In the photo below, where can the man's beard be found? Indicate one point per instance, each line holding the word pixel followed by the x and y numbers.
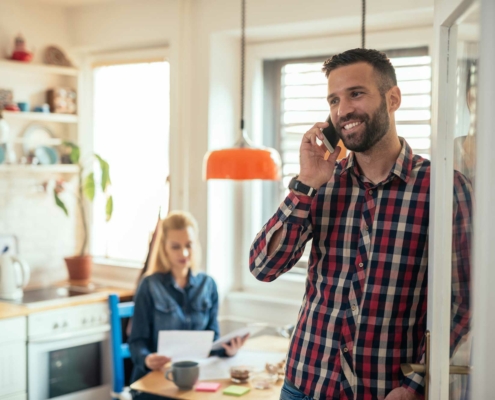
pixel 376 128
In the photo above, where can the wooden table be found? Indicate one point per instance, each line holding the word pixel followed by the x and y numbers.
pixel 155 382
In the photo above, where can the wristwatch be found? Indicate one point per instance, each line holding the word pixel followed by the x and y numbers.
pixel 301 187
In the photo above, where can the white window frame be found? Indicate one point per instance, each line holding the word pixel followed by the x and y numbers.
pixel 86 142
pixel 293 284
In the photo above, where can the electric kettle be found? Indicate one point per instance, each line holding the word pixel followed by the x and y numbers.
pixel 14 275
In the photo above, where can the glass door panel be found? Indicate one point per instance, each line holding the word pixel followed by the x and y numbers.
pixel 464 162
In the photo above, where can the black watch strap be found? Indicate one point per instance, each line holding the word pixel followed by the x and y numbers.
pixel 301 187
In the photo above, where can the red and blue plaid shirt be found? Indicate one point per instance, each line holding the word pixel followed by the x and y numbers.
pixel 364 310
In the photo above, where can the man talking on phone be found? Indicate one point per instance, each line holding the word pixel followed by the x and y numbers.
pixel 364 309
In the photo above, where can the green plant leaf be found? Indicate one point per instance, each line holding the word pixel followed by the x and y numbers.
pixel 75 152
pixel 60 203
pixel 105 173
pixel 89 186
pixel 109 208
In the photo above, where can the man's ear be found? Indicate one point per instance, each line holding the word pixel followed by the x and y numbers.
pixel 394 98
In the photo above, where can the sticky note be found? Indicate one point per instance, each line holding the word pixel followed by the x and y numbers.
pixel 207 387
pixel 235 390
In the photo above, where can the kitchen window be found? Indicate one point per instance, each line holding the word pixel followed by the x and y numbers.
pixel 131 117
pixel 296 90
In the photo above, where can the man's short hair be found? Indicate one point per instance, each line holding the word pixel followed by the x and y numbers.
pixel 377 59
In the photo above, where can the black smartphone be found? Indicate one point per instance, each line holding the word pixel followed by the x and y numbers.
pixel 330 136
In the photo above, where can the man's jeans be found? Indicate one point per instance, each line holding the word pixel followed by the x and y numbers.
pixel 289 392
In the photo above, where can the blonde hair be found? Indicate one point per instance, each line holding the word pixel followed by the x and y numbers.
pixel 175 220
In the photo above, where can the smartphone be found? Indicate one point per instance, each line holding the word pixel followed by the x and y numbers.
pixel 330 136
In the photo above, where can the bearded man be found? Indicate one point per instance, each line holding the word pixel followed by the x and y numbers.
pixel 364 309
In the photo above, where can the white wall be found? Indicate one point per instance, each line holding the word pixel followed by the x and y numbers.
pixel 45 234
pixel 40 24
pixel 124 24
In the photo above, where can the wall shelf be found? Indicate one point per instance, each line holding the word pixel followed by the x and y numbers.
pixel 55 168
pixel 38 116
pixel 38 68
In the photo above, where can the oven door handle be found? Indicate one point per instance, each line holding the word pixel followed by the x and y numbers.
pixel 71 335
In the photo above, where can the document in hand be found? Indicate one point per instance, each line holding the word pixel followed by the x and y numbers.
pixel 251 329
pixel 185 345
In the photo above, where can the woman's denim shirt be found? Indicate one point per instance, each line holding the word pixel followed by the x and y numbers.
pixel 160 304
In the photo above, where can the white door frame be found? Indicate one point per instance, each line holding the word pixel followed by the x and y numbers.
pixel 441 195
pixel 484 218
pixel 439 275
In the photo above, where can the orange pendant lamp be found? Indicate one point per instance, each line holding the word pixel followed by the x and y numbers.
pixel 244 161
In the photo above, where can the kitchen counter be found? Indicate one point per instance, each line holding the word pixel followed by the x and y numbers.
pixel 8 310
pixel 11 310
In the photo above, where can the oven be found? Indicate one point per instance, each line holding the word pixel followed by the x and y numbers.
pixel 69 353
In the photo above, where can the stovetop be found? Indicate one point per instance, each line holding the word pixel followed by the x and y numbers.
pixel 53 295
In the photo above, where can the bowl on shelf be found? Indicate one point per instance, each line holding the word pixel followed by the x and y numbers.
pixel 11 107
pixel 2 153
pixel 47 155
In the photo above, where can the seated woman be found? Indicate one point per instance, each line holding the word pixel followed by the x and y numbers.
pixel 172 296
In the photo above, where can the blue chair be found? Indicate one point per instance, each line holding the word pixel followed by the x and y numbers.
pixel 120 350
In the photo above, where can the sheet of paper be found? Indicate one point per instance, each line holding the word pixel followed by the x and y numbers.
pixel 251 329
pixel 185 345
pixel 219 368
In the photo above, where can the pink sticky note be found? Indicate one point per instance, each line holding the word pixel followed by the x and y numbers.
pixel 207 387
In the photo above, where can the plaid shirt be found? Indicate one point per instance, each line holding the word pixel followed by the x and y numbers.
pixel 364 310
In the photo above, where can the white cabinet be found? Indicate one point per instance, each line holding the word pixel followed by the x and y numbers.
pixel 13 359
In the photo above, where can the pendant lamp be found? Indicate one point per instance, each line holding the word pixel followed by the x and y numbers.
pixel 244 161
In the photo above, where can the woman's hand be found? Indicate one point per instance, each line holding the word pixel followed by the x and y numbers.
pixel 155 361
pixel 234 345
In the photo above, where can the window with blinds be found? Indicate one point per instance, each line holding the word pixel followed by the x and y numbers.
pixel 300 87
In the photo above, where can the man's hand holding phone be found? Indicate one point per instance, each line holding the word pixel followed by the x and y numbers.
pixel 315 170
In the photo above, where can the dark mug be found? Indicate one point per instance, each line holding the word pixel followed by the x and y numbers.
pixel 184 374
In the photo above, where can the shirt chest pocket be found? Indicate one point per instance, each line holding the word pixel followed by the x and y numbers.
pixel 200 312
pixel 167 316
pixel 201 305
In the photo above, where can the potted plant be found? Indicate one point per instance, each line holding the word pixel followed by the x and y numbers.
pixel 79 266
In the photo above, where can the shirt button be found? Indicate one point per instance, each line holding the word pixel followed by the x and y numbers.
pixel 370 192
pixel 366 227
pixel 361 265
pixel 346 349
pixel 353 307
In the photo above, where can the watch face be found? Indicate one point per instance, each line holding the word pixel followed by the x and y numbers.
pixel 293 183
pixel 301 187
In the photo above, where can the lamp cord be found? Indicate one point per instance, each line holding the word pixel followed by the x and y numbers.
pixel 243 56
pixel 363 22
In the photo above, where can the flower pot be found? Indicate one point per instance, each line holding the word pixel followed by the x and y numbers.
pixel 79 268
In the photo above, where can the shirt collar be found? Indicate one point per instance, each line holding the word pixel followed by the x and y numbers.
pixel 192 281
pixel 402 167
pixel 193 278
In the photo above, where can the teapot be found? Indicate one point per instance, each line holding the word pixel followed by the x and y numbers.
pixel 14 276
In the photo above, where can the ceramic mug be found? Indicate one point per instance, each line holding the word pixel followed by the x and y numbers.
pixel 184 374
pixel 23 106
